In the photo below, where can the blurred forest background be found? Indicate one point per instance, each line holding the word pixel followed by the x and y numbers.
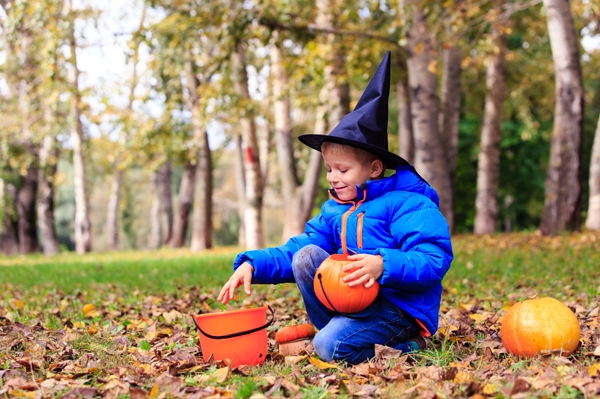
pixel 174 122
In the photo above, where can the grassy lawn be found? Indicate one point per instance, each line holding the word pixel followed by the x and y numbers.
pixel 119 324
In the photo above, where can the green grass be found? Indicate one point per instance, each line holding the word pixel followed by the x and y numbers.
pixel 163 271
pixel 554 268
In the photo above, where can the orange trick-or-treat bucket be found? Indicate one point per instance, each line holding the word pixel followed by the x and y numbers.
pixel 237 337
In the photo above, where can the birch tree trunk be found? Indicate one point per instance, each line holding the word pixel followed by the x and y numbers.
pixel 406 141
pixel 593 217
pixel 83 233
pixel 450 113
pixel 292 224
pixel 334 71
pixel 45 203
pixel 406 145
pixel 298 198
pixel 334 101
pixel 112 218
pixel 252 169
pixel 488 168
pixel 166 191
pixel 9 244
pixel 240 180
pixel 563 186
pixel 156 234
pixel 112 215
pixel 430 160
pixel 202 218
pixel 186 197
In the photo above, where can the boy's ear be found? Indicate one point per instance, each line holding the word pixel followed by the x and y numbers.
pixel 376 168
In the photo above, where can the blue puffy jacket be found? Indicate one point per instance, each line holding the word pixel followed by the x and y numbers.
pixel 396 217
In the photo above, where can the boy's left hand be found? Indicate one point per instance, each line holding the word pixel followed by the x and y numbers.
pixel 364 269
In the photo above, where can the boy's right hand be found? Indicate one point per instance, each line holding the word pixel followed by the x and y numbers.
pixel 242 275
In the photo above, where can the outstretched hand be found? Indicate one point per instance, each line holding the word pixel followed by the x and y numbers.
pixel 242 275
pixel 365 269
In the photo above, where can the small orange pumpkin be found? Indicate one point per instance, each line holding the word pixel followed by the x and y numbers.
pixel 294 339
pixel 337 295
pixel 539 325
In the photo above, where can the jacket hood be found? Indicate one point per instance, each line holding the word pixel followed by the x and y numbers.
pixel 406 178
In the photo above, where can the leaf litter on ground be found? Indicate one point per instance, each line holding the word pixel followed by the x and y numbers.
pixel 108 342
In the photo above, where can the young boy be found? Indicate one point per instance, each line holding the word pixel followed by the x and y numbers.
pixel 391 226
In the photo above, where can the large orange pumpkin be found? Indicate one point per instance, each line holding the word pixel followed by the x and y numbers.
pixel 537 325
pixel 335 293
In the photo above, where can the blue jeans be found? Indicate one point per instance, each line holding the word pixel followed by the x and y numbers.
pixel 351 339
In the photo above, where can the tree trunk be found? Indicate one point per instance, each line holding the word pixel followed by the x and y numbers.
pixel 83 233
pixel 186 197
pixel 488 169
pixel 252 169
pixel 292 225
pixel 45 205
pixel 406 138
pixel 166 191
pixel 240 180
pixel 563 184
pixel 593 217
pixel 450 113
pixel 9 244
pixel 405 131
pixel 202 218
pixel 430 160
pixel 155 211
pixel 26 212
pixel 203 205
pixel 112 216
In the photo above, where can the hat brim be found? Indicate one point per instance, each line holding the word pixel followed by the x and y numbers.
pixel 391 160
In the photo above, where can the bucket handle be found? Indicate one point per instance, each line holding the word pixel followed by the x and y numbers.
pixel 237 334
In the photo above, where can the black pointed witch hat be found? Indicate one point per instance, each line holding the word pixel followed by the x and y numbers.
pixel 366 126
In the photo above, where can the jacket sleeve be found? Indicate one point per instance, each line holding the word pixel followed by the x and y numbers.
pixel 423 250
pixel 274 265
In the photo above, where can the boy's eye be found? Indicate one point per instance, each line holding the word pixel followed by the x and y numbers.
pixel 343 171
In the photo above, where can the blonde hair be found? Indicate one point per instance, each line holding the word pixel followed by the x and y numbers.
pixel 363 156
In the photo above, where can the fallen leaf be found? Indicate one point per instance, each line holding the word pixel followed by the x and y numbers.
pixel 462 377
pixel 321 365
pixel 290 386
pixel 520 385
pixel 386 352
pixel 489 389
pixel 154 391
pixel 220 375
pixel 294 359
pixel 89 310
pixel 594 370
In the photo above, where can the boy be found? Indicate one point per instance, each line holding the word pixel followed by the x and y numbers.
pixel 392 227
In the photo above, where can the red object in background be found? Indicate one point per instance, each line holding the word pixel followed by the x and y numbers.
pixel 249 156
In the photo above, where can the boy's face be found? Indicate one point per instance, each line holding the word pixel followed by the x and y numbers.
pixel 345 172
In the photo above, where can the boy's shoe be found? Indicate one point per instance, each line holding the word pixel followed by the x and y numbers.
pixel 417 343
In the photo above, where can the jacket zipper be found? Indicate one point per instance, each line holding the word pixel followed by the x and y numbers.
pixel 359 230
pixel 345 220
